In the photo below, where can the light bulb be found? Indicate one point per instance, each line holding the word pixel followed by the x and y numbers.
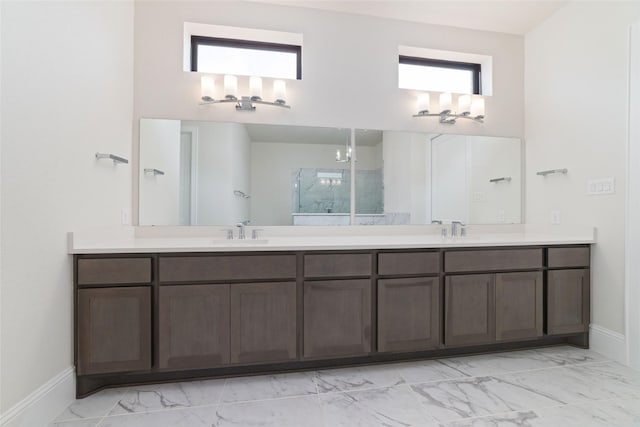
pixel 231 86
pixel 207 88
pixel 338 155
pixel 423 103
pixel 255 88
pixel 280 91
pixel 445 102
pixel 477 107
pixel 464 104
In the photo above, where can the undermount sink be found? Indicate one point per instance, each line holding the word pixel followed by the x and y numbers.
pixel 240 242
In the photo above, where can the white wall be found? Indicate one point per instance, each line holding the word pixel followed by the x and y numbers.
pixel 632 294
pixel 1 136
pixel 160 194
pixel 407 187
pixel 349 68
pixel 240 160
pixel 498 202
pixel 223 160
pixel 576 101
pixel 67 94
pixel 451 166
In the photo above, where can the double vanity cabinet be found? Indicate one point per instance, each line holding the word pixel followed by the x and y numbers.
pixel 150 317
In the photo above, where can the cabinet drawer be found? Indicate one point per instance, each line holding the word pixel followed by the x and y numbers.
pixel 568 257
pixel 395 263
pixel 492 260
pixel 114 271
pixel 231 267
pixel 333 265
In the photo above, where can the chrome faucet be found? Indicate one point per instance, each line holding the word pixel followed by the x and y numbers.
pixel 241 225
pixel 454 227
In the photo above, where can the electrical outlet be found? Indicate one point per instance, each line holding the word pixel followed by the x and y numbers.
pixel 555 217
pixel 501 215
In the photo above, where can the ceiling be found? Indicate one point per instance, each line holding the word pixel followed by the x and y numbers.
pixel 506 16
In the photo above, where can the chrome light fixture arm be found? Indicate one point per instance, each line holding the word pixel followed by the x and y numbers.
pixel 447 117
pixel 245 103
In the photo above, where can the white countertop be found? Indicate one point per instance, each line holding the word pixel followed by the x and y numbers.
pixel 211 239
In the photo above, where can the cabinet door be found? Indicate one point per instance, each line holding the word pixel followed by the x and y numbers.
pixel 263 322
pixel 518 305
pixel 408 314
pixel 194 326
pixel 470 309
pixel 114 330
pixel 567 301
pixel 337 318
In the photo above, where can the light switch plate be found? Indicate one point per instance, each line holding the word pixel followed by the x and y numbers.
pixel 601 186
pixel 555 217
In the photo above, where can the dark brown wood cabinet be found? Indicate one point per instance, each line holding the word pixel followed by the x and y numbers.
pixel 114 330
pixel 408 314
pixel 502 306
pixel 165 317
pixel 469 309
pixel 337 318
pixel 263 322
pixel 114 271
pixel 519 313
pixel 193 330
pixel 567 301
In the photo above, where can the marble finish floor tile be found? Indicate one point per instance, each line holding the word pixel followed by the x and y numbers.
pixel 191 417
pixel 575 384
pixel 511 419
pixel 78 423
pixel 425 371
pixel 94 406
pixel 269 387
pixel 549 387
pixel 382 407
pixel 358 378
pixel 473 397
pixel 500 363
pixel 565 355
pixel 287 412
pixel 158 397
pixel 620 413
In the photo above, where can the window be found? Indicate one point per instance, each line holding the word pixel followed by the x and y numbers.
pixel 245 57
pixel 438 75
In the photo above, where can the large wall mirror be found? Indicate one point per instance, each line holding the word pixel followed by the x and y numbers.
pixel 217 173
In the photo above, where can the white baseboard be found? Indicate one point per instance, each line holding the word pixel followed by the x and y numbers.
pixel 608 343
pixel 43 405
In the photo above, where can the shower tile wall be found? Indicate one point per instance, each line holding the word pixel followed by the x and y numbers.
pixel 369 192
pixel 313 194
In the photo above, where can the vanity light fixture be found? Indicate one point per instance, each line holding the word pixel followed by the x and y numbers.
pixel 330 178
pixel 243 103
pixel 468 108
